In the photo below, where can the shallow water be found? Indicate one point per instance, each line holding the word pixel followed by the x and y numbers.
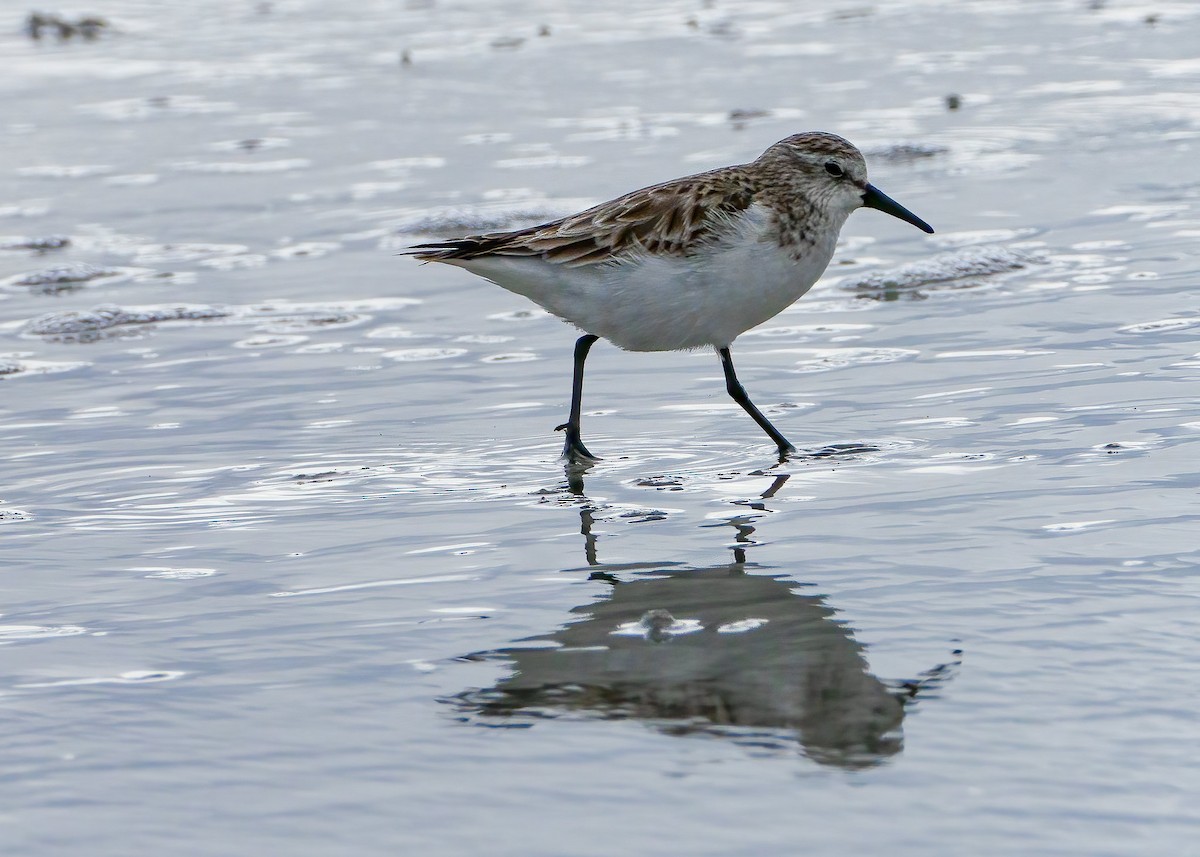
pixel 285 537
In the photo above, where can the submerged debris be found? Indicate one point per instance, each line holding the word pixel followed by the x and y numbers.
pixel 62 276
pixel 740 117
pixel 963 264
pixel 88 27
pixel 903 152
pixel 89 325
pixel 507 43
pixel 41 245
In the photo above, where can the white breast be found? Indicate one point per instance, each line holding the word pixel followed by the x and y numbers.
pixel 669 303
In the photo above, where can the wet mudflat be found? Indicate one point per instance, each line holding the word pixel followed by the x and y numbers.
pixel 290 565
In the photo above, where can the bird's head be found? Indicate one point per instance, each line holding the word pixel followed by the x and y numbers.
pixel 832 172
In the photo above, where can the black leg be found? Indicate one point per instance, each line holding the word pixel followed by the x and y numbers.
pixel 738 393
pixel 573 449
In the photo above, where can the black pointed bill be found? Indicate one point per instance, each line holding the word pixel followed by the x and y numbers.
pixel 873 197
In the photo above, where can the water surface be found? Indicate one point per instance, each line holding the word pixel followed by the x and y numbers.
pixel 290 563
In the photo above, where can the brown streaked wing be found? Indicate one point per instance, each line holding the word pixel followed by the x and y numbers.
pixel 672 219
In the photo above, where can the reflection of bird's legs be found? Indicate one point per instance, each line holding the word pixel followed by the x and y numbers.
pixel 775 486
pixel 589 539
pixel 744 528
pixel 574 471
pixel 742 524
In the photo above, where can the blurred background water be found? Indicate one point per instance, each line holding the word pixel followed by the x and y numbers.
pixel 285 541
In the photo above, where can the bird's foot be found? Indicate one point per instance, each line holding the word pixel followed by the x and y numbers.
pixel 574 450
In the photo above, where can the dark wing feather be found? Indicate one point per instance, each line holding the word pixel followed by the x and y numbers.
pixel 672 218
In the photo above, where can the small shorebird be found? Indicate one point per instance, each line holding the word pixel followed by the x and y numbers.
pixel 688 263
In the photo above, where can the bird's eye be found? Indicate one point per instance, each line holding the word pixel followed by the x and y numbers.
pixel 834 169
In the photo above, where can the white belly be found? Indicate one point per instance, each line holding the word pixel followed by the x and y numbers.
pixel 669 303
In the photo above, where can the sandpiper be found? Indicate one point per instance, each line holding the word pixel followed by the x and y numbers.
pixel 688 263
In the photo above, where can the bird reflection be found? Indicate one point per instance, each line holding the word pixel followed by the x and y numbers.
pixel 729 650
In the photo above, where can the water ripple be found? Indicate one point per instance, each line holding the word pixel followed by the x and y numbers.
pixel 20 633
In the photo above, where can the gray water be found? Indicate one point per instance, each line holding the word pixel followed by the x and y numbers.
pixel 291 567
